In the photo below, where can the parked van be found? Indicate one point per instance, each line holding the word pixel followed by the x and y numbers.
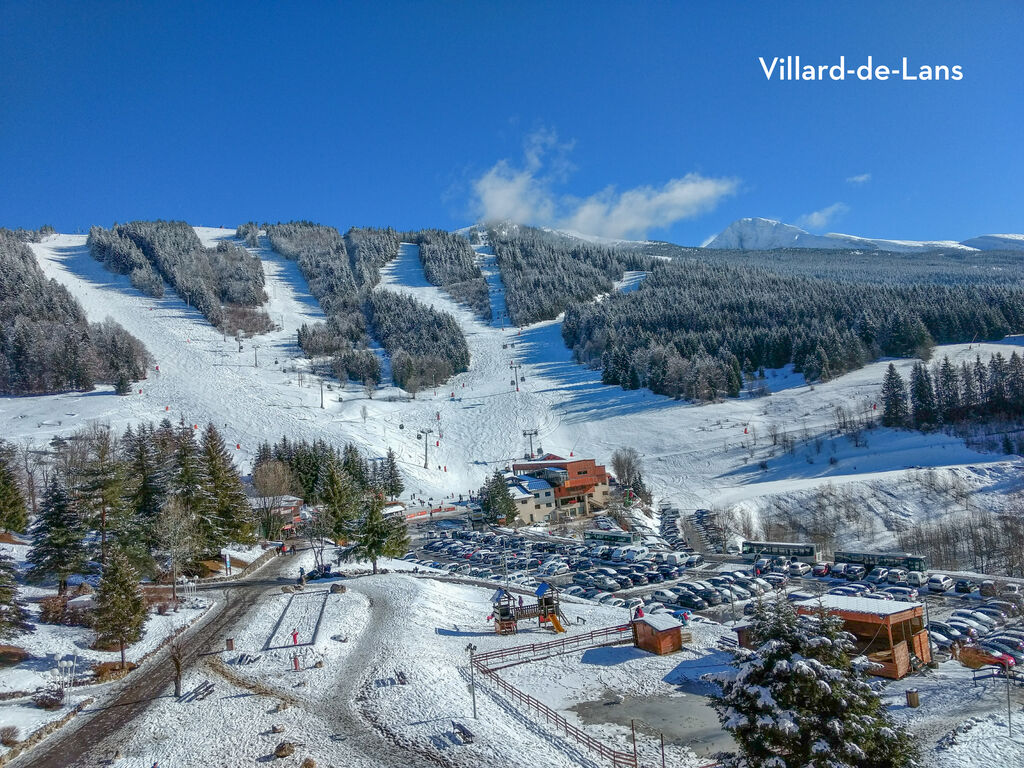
pixel 676 558
pixel 917 578
pixel 896 575
pixel 617 554
pixel 632 554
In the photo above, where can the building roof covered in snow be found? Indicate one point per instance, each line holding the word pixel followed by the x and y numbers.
pixel 660 622
pixel 865 605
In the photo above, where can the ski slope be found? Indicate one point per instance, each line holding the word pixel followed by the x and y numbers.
pixel 696 455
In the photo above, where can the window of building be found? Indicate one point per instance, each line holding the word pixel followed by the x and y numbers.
pixel 536 506
pixel 581 472
pixel 548 504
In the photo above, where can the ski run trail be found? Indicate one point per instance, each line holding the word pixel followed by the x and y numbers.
pixel 695 455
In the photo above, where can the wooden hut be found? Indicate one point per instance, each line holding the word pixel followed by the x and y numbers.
pixel 890 633
pixel 658 633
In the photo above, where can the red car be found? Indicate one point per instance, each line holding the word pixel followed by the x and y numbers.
pixel 821 569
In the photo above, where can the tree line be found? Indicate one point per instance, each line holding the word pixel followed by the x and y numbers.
pixel 426 345
pixel 696 330
pixel 449 262
pixel 950 394
pixel 47 344
pixel 545 273
pixel 224 283
pixel 349 494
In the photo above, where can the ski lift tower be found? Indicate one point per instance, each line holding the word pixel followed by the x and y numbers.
pixel 426 444
pixel 530 433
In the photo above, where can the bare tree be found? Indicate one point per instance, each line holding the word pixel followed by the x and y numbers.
pixel 626 465
pixel 272 481
pixel 179 538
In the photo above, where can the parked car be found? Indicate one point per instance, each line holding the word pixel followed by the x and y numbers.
pixel 906 594
pixel 939 583
pixel 821 569
pixel 877 575
pixel 988 588
pixel 897 576
pixel 917 578
pixel 1010 609
pixel 964 586
pixel 855 572
pixel 970 631
pixel 799 569
pixel 692 602
pixel 838 570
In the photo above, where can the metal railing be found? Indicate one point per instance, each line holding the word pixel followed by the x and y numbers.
pixel 506 657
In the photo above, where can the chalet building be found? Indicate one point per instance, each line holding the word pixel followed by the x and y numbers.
pixel 560 488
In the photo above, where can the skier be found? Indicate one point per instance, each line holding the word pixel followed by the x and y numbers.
pixel 302 572
pixel 520 601
pixel 295 637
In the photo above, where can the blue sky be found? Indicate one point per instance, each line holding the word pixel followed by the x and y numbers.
pixel 627 119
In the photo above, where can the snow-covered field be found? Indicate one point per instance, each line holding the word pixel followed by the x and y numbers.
pixel 695 455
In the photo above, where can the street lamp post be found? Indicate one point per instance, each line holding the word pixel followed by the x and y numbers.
pixel 472 680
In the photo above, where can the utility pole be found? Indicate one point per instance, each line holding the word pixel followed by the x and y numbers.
pixel 530 433
pixel 472 679
pixel 321 391
pixel 426 445
pixel 255 360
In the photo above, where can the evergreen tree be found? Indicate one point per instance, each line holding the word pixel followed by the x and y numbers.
pixel 895 412
pixel 341 498
pixel 376 535
pixel 231 507
pixel 190 485
pixel 922 397
pixel 496 500
pixel 103 487
pixel 13 616
pixel 947 391
pixel 13 513
pixel 58 538
pixel 120 606
pixel 391 477
pixel 148 474
pixel 355 465
pixel 797 701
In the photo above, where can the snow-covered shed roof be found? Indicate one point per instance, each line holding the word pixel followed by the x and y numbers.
pixel 660 621
pixel 518 494
pixel 864 605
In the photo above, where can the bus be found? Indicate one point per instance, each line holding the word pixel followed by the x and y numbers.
pixel 594 536
pixel 885 559
pixel 808 553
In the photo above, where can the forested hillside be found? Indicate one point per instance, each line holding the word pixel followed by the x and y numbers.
pixel 449 262
pixel 46 342
pixel 694 329
pixel 426 345
pixel 224 283
pixel 545 273
pixel 342 272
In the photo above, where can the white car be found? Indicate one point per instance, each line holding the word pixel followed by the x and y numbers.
pixel 939 583
pixel 798 569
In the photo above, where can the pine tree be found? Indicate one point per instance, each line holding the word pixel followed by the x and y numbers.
pixel 13 512
pixel 922 397
pixel 231 507
pixel 120 606
pixel 391 476
pixel 341 498
pixel 496 500
pixel 148 474
pixel 355 465
pixel 376 535
pixel 895 411
pixel 190 485
pixel 13 616
pixel 103 487
pixel 947 391
pixel 798 702
pixel 58 538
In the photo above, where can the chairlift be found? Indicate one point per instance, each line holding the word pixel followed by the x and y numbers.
pixel 512 383
pixel 401 426
pixel 522 378
pixel 419 436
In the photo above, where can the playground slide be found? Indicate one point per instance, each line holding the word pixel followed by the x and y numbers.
pixel 556 623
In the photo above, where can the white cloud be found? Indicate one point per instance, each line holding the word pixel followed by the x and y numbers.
pixel 823 218
pixel 525 195
pixel 860 178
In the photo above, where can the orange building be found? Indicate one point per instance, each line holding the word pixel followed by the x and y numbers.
pixel 580 485
pixel 659 633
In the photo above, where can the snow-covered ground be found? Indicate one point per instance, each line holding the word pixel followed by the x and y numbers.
pixel 695 455
pixel 347 707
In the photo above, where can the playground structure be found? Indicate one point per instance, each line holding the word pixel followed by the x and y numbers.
pixel 547 610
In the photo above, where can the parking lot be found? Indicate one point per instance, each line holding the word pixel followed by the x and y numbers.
pixel 664 574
